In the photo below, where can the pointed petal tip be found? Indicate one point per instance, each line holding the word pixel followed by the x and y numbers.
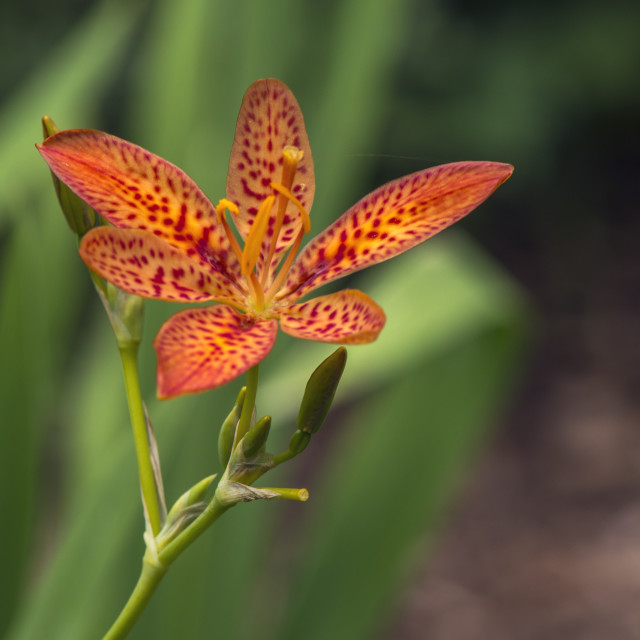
pixel 392 219
pixel 500 170
pixel 506 170
pixel 486 168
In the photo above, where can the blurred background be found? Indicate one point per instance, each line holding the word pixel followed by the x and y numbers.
pixel 479 476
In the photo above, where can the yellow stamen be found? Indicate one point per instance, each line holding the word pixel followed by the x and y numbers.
pixel 306 221
pixel 253 243
pixel 258 291
pixel 220 209
pixel 284 269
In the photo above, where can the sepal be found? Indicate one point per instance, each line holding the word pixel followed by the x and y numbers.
pixel 247 468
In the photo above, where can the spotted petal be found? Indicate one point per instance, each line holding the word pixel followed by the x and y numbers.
pixel 393 219
pixel 269 120
pixel 207 347
pixel 345 317
pixel 133 188
pixel 140 263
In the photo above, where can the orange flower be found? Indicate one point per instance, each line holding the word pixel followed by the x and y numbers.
pixel 171 243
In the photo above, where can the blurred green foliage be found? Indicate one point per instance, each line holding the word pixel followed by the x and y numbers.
pixel 387 87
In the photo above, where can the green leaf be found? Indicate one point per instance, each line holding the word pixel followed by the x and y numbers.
pixel 391 475
pixel 425 403
pixel 68 84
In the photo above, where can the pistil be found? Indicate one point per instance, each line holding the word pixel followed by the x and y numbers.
pixel 291 157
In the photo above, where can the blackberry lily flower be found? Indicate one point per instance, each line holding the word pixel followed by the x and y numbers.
pixel 171 243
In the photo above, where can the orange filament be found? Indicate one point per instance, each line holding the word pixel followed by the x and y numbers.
pixel 284 269
pixel 253 243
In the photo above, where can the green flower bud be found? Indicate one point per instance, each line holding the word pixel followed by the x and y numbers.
pixel 185 510
pixel 79 215
pixel 228 430
pixel 299 441
pixel 256 438
pixel 320 391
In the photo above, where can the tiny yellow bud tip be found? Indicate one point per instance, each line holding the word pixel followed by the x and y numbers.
pixel 48 127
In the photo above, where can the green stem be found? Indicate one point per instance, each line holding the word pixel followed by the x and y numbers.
pixel 153 572
pixel 129 356
pixel 249 403
pixel 147 584
pixel 283 457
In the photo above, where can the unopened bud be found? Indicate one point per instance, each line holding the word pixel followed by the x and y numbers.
pixel 185 510
pixel 79 215
pixel 299 441
pixel 320 390
pixel 228 430
pixel 193 496
pixel 256 438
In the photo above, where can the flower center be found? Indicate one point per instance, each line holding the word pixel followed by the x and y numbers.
pixel 255 273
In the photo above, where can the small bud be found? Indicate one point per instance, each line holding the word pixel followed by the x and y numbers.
pixel 299 441
pixel 184 511
pixel 255 439
pixel 190 497
pixel 320 390
pixel 228 429
pixel 49 127
pixel 79 215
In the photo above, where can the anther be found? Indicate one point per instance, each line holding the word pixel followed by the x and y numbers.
pixel 223 205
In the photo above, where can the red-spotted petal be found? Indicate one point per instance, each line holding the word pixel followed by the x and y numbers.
pixel 393 219
pixel 207 347
pixel 140 263
pixel 345 317
pixel 133 188
pixel 269 120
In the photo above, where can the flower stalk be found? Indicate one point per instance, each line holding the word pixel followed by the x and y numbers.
pixel 148 487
